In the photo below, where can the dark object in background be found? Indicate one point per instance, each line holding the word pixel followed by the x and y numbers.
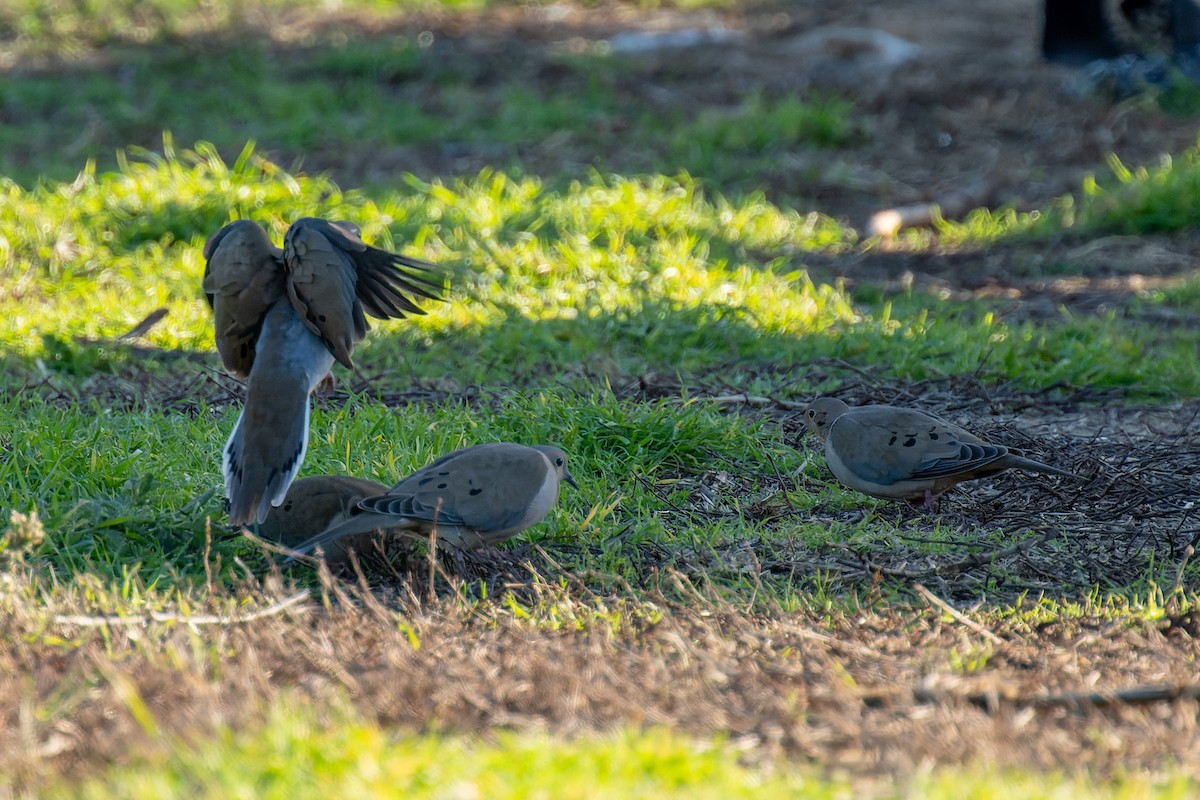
pixel 1185 25
pixel 1076 32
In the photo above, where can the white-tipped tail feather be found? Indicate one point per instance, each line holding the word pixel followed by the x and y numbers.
pixel 270 439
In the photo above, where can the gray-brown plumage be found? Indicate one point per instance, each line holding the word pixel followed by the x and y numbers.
pixel 243 277
pixel 281 317
pixel 472 497
pixel 903 453
pixel 335 279
pixel 315 504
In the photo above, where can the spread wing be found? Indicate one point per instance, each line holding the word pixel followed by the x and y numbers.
pixel 335 279
pixel 243 277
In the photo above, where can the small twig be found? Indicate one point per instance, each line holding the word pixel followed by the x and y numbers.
pixel 942 570
pixel 1154 693
pixel 208 575
pixel 537 548
pixel 741 398
pixel 203 619
pixel 757 574
pixel 142 328
pixel 431 554
pixel 1188 552
pixel 278 549
pixel 1136 694
pixel 958 615
pixel 888 222
pixel 787 498
pixel 989 558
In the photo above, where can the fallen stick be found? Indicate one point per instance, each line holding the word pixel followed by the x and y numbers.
pixel 86 621
pixel 956 614
pixel 888 222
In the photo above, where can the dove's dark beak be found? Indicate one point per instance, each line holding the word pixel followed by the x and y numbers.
pixel 569 479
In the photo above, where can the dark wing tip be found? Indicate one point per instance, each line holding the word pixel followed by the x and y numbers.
pixel 391 285
pixel 388 285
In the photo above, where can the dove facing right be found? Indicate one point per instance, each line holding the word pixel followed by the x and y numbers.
pixel 472 497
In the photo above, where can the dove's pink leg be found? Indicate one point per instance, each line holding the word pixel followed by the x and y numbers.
pixel 929 502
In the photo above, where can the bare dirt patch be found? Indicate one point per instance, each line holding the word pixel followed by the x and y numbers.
pixel 1134 518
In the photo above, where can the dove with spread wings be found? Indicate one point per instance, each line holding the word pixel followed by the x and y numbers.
pixel 281 318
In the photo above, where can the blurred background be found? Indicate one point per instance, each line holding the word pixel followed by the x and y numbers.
pixel 844 106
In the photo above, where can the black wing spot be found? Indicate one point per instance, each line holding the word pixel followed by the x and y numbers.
pixel 891 441
pixel 321 317
pixel 911 441
pixel 424 481
pixel 287 506
pixel 441 486
pixel 443 474
pixel 474 492
pixel 933 436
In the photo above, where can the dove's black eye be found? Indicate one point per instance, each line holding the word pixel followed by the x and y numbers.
pixel 811 413
pixel 558 462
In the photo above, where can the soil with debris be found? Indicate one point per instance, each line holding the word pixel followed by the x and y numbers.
pixel 907 681
pixel 873 694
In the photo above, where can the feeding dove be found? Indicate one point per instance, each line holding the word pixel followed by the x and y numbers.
pixel 281 318
pixel 475 496
pixel 906 454
pixel 315 504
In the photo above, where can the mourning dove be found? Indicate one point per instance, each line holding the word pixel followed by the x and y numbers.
pixel 903 453
pixel 281 319
pixel 471 497
pixel 315 504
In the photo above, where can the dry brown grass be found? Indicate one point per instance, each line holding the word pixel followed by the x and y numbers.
pixel 878 692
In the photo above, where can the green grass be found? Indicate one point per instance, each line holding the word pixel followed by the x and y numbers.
pixel 294 756
pixel 556 292
pixel 628 275
pixel 1126 201
pixel 149 501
